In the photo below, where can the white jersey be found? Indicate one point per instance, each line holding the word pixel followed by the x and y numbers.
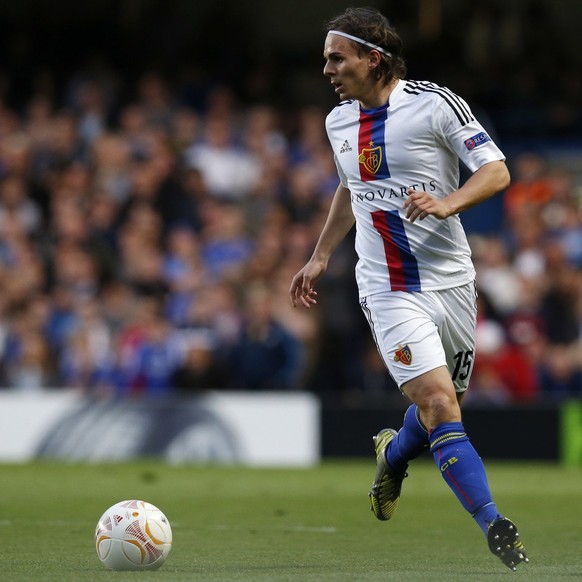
pixel 412 142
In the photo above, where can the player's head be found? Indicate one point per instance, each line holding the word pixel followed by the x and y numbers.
pixel 367 29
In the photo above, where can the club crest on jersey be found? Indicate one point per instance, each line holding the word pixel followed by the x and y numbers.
pixel 403 354
pixel 477 140
pixel 371 158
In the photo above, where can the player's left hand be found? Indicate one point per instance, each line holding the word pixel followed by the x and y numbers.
pixel 419 205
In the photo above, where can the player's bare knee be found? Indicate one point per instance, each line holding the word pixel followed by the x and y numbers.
pixel 443 410
pixel 439 407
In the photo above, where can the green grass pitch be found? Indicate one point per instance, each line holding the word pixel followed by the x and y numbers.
pixel 234 524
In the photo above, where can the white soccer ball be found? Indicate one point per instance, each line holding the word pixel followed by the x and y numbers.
pixel 133 535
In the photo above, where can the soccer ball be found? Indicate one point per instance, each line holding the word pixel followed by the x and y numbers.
pixel 133 535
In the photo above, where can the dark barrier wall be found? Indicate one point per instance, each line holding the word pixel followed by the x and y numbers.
pixel 513 433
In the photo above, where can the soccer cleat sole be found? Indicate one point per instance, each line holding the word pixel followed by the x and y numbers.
pixel 387 485
pixel 504 541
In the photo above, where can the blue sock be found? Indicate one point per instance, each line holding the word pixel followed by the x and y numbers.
pixel 411 441
pixel 463 471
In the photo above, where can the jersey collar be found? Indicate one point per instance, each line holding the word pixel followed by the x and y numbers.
pixel 394 97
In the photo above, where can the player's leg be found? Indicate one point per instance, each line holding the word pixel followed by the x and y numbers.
pixel 410 441
pixel 394 450
pixel 441 396
pixel 438 334
pixel 460 465
pixel 458 462
pixel 399 324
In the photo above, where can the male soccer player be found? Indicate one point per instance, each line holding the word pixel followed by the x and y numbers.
pixel 397 144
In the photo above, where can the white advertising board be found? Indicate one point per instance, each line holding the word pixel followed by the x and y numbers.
pixel 253 429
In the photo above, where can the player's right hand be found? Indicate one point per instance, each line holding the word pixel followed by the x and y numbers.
pixel 302 291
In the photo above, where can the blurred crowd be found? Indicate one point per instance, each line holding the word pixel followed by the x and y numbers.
pixel 147 248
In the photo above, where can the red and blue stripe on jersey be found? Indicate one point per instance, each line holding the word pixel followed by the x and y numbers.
pixel 372 146
pixel 402 264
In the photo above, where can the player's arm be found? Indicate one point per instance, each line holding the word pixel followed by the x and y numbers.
pixel 482 184
pixel 340 220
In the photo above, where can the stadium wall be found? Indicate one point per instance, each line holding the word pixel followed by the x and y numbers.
pixel 255 429
pixel 552 432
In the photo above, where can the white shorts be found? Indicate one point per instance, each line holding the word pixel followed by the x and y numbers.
pixel 418 332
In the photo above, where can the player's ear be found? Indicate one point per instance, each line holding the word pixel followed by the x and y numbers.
pixel 373 59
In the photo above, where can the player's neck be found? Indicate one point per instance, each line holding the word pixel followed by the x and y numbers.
pixel 379 96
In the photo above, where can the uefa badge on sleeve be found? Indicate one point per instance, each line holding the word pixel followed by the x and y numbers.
pixel 477 140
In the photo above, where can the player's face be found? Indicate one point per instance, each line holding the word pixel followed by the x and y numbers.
pixel 348 71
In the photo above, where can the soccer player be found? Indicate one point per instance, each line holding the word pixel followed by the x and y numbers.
pixel 397 145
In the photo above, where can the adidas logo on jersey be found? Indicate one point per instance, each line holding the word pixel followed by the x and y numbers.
pixel 346 147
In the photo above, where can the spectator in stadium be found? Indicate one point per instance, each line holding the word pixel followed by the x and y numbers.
pixel 561 373
pixel 182 271
pixel 22 272
pixel 563 214
pixel 199 368
pixel 147 353
pixel 397 145
pixel 225 243
pixel 30 367
pixel 496 275
pixel 155 99
pixel 531 186
pixel 230 172
pixel 304 198
pixel 265 356
pixel 16 205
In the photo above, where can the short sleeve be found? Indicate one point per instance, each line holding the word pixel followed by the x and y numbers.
pixel 340 172
pixel 456 126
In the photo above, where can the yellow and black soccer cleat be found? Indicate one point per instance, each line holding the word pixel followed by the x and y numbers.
pixel 504 541
pixel 385 493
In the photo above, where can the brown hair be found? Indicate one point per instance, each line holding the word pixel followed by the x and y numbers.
pixel 371 25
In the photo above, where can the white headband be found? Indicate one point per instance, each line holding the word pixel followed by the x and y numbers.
pixel 361 41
